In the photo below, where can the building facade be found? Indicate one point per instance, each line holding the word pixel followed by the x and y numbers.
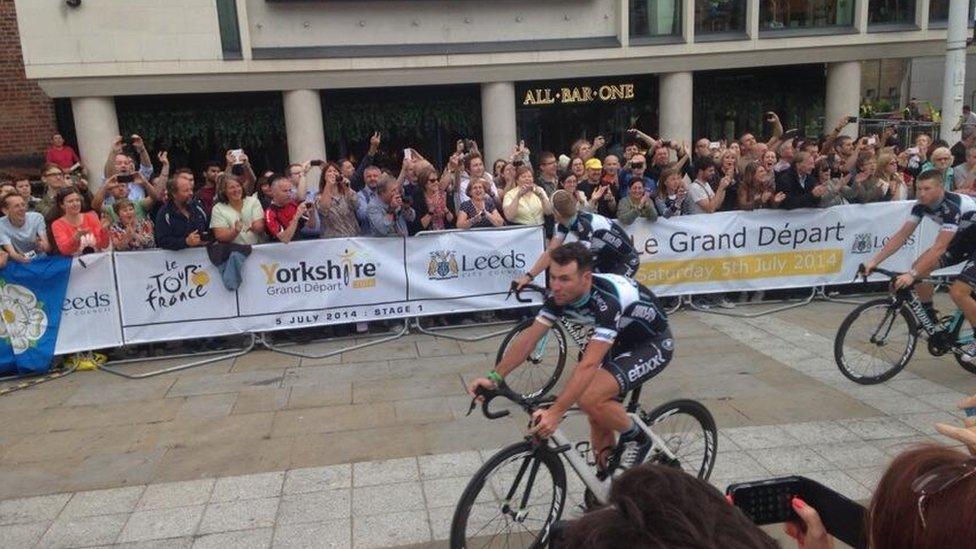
pixel 26 113
pixel 325 73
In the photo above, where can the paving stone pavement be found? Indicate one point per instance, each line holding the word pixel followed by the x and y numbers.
pixel 372 448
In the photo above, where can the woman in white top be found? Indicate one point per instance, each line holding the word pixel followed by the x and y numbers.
pixel 236 218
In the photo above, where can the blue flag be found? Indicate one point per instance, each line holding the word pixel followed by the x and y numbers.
pixel 31 296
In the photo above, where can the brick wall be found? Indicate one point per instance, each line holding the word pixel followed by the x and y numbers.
pixel 26 113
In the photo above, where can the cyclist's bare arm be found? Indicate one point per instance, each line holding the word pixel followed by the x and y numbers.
pixel 521 347
pixel 596 350
pixel 894 243
pixel 540 264
pixel 929 260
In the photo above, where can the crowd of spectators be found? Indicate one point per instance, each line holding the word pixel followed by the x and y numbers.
pixel 139 205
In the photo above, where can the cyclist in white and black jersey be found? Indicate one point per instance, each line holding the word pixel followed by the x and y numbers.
pixel 955 243
pixel 631 343
pixel 610 245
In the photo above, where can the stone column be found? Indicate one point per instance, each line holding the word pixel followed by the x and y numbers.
pixel 96 125
pixel 675 107
pixel 843 95
pixel 303 125
pixel 498 120
pixel 954 78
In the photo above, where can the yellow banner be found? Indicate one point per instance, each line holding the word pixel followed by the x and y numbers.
pixel 769 265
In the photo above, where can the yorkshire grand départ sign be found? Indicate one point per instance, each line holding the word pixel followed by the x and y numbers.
pixel 568 94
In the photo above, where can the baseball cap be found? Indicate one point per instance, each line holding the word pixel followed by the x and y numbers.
pixel 594 164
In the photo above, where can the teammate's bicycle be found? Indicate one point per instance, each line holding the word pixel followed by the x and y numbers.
pixel 878 338
pixel 520 492
pixel 541 370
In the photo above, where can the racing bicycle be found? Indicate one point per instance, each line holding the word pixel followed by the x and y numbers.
pixel 517 496
pixel 878 338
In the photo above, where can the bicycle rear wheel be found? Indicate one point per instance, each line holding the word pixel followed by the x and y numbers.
pixel 540 372
pixel 875 342
pixel 512 501
pixel 689 431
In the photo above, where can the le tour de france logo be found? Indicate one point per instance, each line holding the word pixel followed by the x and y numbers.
pixel 176 283
pixel 351 269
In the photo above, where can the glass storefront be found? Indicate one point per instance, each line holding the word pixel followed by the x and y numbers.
pixel 429 119
pixel 720 16
pixel 939 12
pixel 729 103
pixel 650 18
pixel 891 12
pixel 196 128
pixel 551 115
pixel 805 14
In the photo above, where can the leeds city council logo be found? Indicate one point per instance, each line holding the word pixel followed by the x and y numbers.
pixel 442 266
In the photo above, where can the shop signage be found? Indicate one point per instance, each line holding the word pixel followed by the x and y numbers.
pixel 578 94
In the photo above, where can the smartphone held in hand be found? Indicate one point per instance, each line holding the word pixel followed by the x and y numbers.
pixel 770 502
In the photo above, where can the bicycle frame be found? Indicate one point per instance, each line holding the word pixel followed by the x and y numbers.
pixel 559 442
pixel 931 326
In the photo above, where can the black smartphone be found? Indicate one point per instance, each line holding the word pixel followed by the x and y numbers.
pixel 770 502
pixel 852 120
pixel 207 236
pixel 124 178
pixel 317 162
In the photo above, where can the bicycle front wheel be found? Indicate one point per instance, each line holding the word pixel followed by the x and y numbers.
pixel 512 501
pixel 689 432
pixel 875 342
pixel 540 372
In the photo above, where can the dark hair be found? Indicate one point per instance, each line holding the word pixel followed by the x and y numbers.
pixel 653 506
pixel 546 156
pixel 930 175
pixel 212 164
pixel 521 170
pixel 5 196
pixel 324 168
pixel 573 252
pixel 469 158
pixel 702 165
pixel 950 515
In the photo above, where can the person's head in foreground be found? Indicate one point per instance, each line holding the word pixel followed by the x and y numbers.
pixel 657 507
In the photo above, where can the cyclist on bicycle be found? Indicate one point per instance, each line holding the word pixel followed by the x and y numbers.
pixel 611 247
pixel 956 213
pixel 631 343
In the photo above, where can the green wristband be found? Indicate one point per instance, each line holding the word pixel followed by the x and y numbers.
pixel 495 376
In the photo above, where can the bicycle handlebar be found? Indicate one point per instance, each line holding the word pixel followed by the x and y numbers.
pixel 864 275
pixel 503 390
pixel 514 289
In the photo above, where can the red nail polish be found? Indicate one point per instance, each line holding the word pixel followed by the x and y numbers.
pixel 728 497
pixel 798 503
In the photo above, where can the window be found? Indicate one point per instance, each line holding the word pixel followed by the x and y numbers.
pixel 805 14
pixel 939 11
pixel 655 18
pixel 891 12
pixel 720 16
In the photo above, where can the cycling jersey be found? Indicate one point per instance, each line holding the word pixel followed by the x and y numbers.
pixel 955 212
pixel 627 315
pixel 610 245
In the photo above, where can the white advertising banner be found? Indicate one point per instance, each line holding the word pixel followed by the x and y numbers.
pixel 457 271
pixel 168 295
pixel 767 249
pixel 318 282
pixel 90 312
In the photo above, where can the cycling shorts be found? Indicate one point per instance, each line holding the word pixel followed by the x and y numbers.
pixel 960 249
pixel 632 367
